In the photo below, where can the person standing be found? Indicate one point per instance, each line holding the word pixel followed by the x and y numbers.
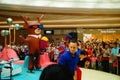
pixel 93 61
pixel 105 57
pixel 70 57
pixel 114 53
pixel 82 58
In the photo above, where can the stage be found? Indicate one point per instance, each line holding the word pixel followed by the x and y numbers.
pixel 87 74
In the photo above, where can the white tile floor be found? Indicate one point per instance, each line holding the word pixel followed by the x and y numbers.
pixel 89 74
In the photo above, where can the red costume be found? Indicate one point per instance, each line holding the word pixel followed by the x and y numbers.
pixel 33 40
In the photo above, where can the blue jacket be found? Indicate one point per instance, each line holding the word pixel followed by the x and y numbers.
pixel 68 60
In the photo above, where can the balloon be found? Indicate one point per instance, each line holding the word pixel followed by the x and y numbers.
pixel 69 36
pixel 2 33
pixel 6 32
pixel 9 20
pixel 44 38
pixel 17 26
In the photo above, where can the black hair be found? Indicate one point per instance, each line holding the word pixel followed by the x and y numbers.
pixel 56 72
pixel 73 41
pixel 115 43
pixel 83 52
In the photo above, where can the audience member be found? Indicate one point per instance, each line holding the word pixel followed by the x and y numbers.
pixel 56 72
pixel 70 57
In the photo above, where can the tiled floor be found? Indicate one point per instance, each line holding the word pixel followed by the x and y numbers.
pixel 87 74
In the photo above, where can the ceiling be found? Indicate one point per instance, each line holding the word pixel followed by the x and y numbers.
pixel 63 13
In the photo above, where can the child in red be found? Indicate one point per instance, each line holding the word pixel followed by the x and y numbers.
pixel 93 61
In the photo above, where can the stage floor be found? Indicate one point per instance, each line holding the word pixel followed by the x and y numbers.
pixel 87 74
pixel 28 76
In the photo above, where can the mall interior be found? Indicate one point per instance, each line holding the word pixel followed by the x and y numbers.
pixel 89 21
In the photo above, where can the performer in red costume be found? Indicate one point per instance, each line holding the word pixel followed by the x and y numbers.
pixel 33 40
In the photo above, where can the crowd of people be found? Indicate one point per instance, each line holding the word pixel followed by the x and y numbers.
pixel 96 55
pixel 93 55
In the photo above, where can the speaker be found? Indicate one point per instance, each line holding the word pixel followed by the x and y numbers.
pixel 74 35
